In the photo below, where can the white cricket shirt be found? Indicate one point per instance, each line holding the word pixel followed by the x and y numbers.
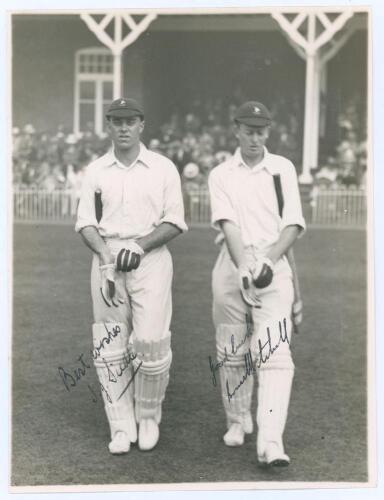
pixel 135 199
pixel 247 197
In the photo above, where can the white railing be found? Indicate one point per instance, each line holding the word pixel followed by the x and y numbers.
pixel 42 205
pixel 339 207
pixel 329 207
pixel 197 205
pixel 61 205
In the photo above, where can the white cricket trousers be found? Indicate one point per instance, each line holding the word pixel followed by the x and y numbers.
pixel 228 305
pixel 148 309
pixel 272 357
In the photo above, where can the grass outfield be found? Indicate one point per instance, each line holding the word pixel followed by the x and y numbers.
pixel 61 437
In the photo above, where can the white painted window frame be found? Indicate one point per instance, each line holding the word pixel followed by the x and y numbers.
pixel 98 79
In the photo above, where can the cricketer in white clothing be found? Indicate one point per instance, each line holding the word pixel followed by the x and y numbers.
pixel 256 206
pixel 131 205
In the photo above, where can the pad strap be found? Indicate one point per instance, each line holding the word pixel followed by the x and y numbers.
pixel 152 362
pixel 232 344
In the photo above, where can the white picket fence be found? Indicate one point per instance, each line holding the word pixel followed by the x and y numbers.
pixel 197 206
pixel 341 207
pixel 329 207
pixel 42 205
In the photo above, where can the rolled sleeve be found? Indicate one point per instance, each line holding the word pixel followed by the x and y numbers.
pixel 86 213
pixel 173 201
pixel 221 206
pixel 292 214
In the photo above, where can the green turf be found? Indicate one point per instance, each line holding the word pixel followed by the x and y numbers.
pixel 61 438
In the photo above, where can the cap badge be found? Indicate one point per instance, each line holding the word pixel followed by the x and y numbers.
pixel 122 102
pixel 256 110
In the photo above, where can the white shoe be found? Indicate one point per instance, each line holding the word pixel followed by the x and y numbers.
pixel 234 436
pixel 148 434
pixel 119 444
pixel 274 455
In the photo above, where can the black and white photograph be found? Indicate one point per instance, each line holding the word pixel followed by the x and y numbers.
pixel 191 223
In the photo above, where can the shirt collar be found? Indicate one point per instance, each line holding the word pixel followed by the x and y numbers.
pixel 143 158
pixel 265 162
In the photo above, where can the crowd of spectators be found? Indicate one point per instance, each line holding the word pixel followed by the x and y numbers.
pixel 346 167
pixel 196 140
pixel 51 161
pixel 202 137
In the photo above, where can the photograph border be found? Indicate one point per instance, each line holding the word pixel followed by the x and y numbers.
pixel 372 279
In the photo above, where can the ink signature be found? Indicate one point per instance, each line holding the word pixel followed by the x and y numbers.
pixel 71 378
pixel 215 366
pixel 264 352
pixel 262 356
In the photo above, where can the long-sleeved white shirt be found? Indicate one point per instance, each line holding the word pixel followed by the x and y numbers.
pixel 135 199
pixel 247 197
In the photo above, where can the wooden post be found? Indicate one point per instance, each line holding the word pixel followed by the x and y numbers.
pixel 117 76
pixel 310 44
pixel 117 44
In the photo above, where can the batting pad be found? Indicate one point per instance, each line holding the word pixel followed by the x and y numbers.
pixel 270 346
pixel 232 344
pixel 152 362
pixel 114 369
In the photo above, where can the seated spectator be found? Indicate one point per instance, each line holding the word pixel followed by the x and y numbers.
pixel 154 145
pixel 327 176
pixel 222 156
pixel 191 178
pixel 206 144
pixel 361 152
pixel 347 158
pixel 46 179
pixel 192 123
pixel 206 163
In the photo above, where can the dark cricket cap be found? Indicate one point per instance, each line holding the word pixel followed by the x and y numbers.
pixel 253 113
pixel 124 108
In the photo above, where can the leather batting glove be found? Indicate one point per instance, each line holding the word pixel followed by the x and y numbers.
pixel 297 315
pixel 129 257
pixel 112 286
pixel 107 279
pixel 262 272
pixel 247 288
pixel 120 290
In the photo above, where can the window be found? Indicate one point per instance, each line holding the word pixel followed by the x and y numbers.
pixel 93 88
